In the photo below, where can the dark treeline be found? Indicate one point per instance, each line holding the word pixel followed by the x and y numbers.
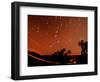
pixel 63 56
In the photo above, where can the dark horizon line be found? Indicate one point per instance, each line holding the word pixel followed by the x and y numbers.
pixel 51 54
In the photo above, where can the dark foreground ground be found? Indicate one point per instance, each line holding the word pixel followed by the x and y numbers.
pixel 35 59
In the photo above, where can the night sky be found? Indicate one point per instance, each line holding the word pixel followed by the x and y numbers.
pixel 48 34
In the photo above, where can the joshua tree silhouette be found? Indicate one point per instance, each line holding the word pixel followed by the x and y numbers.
pixel 67 52
pixel 83 47
pixel 60 55
pixel 86 47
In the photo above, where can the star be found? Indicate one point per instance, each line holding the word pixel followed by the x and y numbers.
pixel 56 31
pixel 47 22
pixel 58 41
pixel 60 17
pixel 55 35
pixel 34 26
pixel 61 25
pixel 37 31
pixel 50 46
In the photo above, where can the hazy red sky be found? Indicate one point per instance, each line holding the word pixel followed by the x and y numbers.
pixel 47 34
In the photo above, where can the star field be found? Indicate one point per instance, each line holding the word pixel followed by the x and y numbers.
pixel 47 34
